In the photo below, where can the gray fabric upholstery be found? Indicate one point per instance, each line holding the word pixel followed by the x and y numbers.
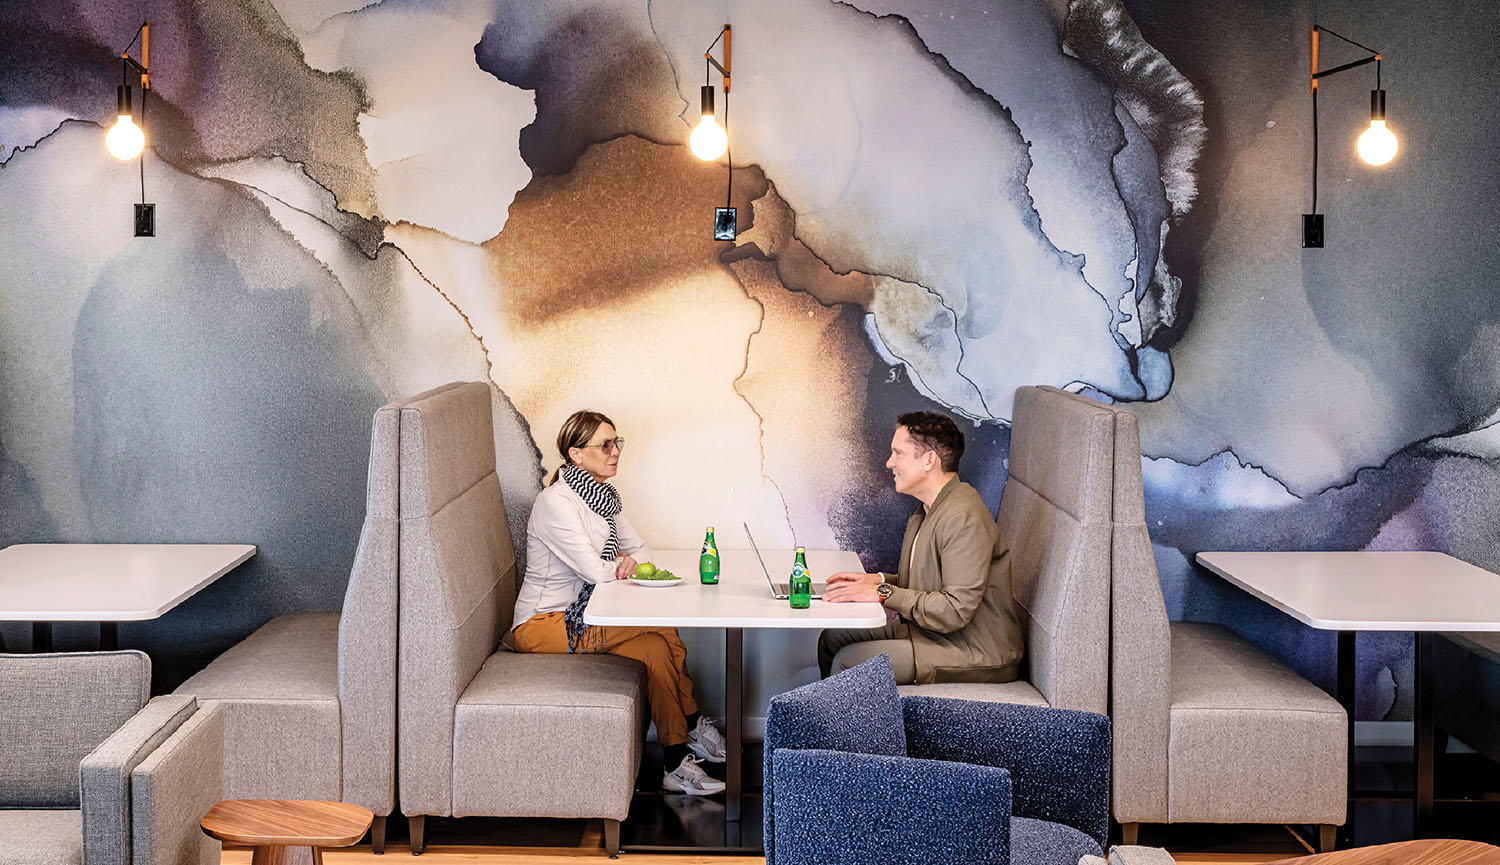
pixel 279 690
pixel 1132 854
pixel 1207 728
pixel 104 776
pixel 549 736
pixel 1140 661
pixel 1055 512
pixel 172 789
pixel 457 580
pixel 1484 644
pixel 57 708
pixel 1251 741
pixel 310 699
pixel 1055 516
pixel 40 837
pixel 987 692
pixel 367 631
pixel 1464 669
pixel 480 733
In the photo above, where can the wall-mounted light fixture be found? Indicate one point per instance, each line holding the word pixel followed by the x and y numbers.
pixel 1377 145
pixel 126 139
pixel 709 141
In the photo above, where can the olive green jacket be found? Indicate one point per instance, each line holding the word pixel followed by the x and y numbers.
pixel 953 589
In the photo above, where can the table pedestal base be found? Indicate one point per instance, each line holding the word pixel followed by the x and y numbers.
pixel 280 855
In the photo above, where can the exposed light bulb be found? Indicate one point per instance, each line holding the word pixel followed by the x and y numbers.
pixel 708 141
pixel 125 140
pixel 1377 145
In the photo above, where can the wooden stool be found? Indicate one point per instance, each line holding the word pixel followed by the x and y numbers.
pixel 286 832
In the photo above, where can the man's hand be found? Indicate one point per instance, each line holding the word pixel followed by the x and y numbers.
pixel 624 567
pixel 852 592
pixel 855 578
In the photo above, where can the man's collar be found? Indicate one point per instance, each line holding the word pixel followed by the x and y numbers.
pixel 943 493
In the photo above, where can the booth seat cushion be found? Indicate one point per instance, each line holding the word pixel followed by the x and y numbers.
pixel 1042 842
pixel 279 692
pixel 1018 692
pixel 1465 670
pixel 1233 705
pixel 1485 645
pixel 549 736
pixel 41 837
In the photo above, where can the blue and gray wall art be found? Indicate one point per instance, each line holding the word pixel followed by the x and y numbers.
pixel 938 203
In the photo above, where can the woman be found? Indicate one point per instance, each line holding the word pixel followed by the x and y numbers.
pixel 577 538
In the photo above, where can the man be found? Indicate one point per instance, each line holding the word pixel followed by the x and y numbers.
pixel 952 617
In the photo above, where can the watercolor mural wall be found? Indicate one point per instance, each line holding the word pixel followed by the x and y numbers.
pixel 938 202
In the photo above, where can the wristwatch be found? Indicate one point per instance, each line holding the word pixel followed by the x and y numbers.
pixel 884 591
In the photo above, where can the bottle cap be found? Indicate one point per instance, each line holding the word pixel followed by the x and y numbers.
pixel 802 549
pixel 710 529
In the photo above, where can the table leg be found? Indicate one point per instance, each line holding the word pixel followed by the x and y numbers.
pixel 41 636
pixel 109 638
pixel 1425 744
pixel 1346 695
pixel 734 721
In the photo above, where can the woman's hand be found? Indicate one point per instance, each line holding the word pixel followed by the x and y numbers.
pixel 856 578
pixel 625 567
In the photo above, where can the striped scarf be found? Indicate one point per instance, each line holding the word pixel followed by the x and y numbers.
pixel 603 500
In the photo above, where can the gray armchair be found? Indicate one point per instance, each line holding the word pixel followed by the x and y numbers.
pixel 1055 515
pixel 91 772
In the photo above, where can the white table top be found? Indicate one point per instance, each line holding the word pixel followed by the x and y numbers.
pixel 107 582
pixel 1370 590
pixel 740 600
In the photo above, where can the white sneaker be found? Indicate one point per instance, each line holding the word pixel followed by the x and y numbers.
pixel 688 779
pixel 706 742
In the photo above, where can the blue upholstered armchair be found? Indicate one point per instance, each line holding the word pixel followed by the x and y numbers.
pixel 856 774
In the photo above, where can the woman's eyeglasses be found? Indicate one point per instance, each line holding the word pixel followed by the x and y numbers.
pixel 615 444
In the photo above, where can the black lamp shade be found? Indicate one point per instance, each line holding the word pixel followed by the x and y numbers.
pixel 122 96
pixel 1377 104
pixel 708 100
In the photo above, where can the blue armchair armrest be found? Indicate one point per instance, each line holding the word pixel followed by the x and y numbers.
pixel 1058 758
pixel 863 809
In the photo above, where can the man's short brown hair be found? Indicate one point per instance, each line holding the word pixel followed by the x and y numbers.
pixel 935 432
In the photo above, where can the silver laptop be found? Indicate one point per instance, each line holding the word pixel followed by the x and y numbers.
pixel 780 591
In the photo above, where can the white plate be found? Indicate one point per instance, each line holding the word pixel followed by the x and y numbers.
pixel 657 584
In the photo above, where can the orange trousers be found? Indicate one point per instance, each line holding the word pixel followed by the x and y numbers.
pixel 668 684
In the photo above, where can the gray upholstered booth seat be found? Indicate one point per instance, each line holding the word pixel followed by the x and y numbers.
pixel 1233 705
pixel 310 698
pixel 481 733
pixel 1207 728
pixel 91 771
pixel 541 736
pixel 279 689
pixel 1465 676
pixel 1055 513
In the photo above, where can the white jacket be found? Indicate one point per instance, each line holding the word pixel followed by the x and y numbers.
pixel 564 538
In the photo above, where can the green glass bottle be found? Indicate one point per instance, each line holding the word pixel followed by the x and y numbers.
pixel 708 560
pixel 801 588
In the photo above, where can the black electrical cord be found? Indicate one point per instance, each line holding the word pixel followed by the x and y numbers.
pixel 1315 151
